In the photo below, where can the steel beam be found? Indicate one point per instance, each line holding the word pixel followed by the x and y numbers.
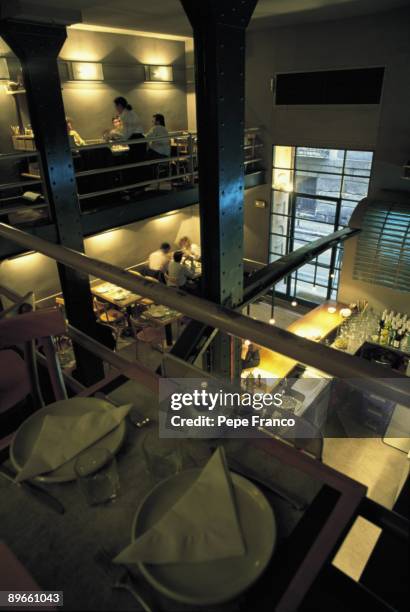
pixel 262 280
pixel 37 46
pixel 219 43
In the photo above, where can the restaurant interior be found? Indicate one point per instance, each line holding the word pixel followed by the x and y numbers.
pixel 196 197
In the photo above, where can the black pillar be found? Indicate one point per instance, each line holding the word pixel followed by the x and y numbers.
pixel 219 39
pixel 37 46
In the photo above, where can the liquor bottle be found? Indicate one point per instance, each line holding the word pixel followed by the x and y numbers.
pixel 382 322
pixel 398 337
pixel 393 332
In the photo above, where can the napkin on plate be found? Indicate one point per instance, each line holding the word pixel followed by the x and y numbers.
pixel 63 437
pixel 203 525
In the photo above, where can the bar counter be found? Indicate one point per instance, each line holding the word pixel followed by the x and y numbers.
pixel 315 326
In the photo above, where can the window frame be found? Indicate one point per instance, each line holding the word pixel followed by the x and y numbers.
pixel 340 201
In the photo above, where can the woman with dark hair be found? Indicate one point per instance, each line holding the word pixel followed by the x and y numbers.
pixel 131 126
pixel 158 148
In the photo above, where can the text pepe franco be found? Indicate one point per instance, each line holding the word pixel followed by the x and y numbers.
pixel 213 402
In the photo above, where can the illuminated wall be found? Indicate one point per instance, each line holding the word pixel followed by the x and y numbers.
pixel 125 247
pixel 123 58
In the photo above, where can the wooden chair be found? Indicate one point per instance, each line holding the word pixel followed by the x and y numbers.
pixel 113 318
pixel 146 333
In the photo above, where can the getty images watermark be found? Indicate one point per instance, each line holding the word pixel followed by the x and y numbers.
pixel 291 408
pixel 206 409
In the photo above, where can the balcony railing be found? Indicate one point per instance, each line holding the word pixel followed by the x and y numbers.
pixel 108 172
pixel 362 374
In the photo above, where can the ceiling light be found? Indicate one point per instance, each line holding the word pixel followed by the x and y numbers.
pixel 87 71
pixel 272 321
pixel 159 74
pixel 294 303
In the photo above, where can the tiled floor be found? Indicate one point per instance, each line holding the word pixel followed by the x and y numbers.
pixel 380 468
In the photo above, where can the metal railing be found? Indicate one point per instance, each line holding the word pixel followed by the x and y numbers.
pixel 366 375
pixel 176 169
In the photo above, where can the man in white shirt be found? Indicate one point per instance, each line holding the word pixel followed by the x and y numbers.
pixel 159 260
pixel 178 274
pixel 158 148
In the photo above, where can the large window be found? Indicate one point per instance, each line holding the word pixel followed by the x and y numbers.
pixel 314 194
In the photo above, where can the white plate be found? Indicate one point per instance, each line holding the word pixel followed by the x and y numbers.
pixel 103 289
pixel 26 435
pixel 158 312
pixel 211 582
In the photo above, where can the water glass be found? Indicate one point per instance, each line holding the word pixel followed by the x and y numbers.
pixel 97 475
pixel 162 456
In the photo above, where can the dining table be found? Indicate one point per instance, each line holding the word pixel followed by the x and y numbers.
pixel 116 296
pixel 124 300
pixel 166 321
pixel 313 506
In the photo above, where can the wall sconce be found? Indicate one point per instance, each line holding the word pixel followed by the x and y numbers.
pixel 159 74
pixel 87 71
pixel 4 70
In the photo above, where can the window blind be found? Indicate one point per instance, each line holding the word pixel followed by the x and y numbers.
pixel 383 249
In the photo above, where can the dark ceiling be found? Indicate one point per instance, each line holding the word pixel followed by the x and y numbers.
pixel 167 16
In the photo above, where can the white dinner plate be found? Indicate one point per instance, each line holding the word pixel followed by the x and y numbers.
pixel 103 289
pixel 26 436
pixel 158 311
pixel 211 582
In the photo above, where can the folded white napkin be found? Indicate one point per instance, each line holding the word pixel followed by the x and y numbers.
pixel 63 437
pixel 203 525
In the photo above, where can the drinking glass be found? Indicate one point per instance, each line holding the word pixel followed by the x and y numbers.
pixel 97 475
pixel 163 456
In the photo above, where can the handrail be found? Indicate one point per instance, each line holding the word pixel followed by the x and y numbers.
pixel 120 141
pixel 93 194
pixel 109 144
pixel 13 209
pixel 19 184
pixel 362 373
pixel 147 162
pixel 9 156
pixel 189 157
pixel 134 370
pixel 263 279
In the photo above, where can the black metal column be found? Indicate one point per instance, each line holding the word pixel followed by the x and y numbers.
pixel 37 47
pixel 219 39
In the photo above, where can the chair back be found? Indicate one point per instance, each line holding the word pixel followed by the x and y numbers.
pixel 41 326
